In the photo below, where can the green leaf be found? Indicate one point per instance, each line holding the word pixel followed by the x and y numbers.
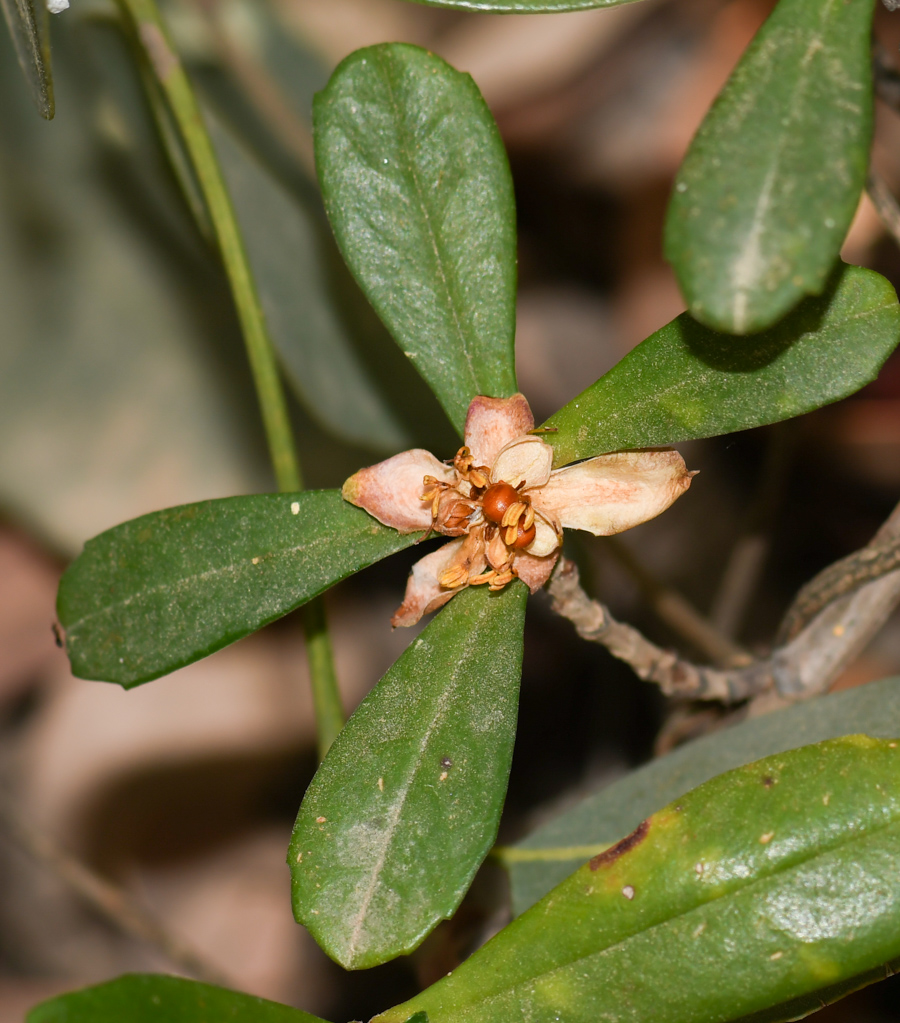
pixel 406 804
pixel 417 187
pixel 553 851
pixel 284 249
pixel 770 184
pixel 165 589
pixel 522 6
pixel 683 382
pixel 28 28
pixel 761 886
pixel 151 998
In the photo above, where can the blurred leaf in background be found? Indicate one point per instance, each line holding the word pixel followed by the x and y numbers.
pixel 113 398
pixel 27 23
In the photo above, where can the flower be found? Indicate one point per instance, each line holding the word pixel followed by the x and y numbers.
pixel 504 506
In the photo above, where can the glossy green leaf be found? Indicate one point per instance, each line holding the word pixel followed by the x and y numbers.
pixel 759 887
pixel 686 381
pixel 770 184
pixel 417 187
pixel 283 244
pixel 406 804
pixel 522 6
pixel 153 998
pixel 168 588
pixel 27 23
pixel 552 852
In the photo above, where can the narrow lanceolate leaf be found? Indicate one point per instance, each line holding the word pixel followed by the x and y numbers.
pixel 417 187
pixel 27 23
pixel 758 888
pixel 686 381
pixel 770 184
pixel 168 588
pixel 406 804
pixel 542 860
pixel 150 998
pixel 522 6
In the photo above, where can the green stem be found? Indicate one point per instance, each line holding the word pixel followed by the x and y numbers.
pixel 326 697
pixel 170 74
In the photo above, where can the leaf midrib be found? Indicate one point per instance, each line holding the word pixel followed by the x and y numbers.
pixel 634 409
pixel 744 280
pixel 738 889
pixel 195 578
pixel 407 151
pixel 390 834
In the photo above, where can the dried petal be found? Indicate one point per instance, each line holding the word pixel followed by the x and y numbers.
pixel 610 493
pixel 491 423
pixel 424 592
pixel 392 490
pixel 497 552
pixel 547 538
pixel 534 572
pixel 453 515
pixel 525 458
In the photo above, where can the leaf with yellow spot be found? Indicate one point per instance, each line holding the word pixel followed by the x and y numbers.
pixel 766 888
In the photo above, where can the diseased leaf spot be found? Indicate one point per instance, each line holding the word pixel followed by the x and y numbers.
pixel 611 854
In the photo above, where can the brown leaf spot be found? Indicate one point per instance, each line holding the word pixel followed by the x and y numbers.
pixel 768 781
pixel 611 854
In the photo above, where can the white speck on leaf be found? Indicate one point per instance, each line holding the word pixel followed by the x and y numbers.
pixel 295 508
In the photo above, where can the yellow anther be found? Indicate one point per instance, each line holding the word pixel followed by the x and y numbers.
pixel 462 460
pixel 528 521
pixel 454 576
pixel 477 478
pixel 485 577
pixel 511 534
pixel 501 579
pixel 512 514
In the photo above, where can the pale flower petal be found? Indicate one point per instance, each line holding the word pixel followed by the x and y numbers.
pixel 610 493
pixel 534 572
pixel 497 552
pixel 546 538
pixel 392 490
pixel 526 458
pixel 424 592
pixel 491 423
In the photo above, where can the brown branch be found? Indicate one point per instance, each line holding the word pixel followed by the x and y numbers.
pixel 110 900
pixel 674 675
pixel 678 613
pixel 839 613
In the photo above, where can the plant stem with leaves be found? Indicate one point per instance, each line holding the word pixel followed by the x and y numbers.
pixel 169 73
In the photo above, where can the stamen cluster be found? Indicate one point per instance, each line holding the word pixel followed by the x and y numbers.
pixel 473 502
